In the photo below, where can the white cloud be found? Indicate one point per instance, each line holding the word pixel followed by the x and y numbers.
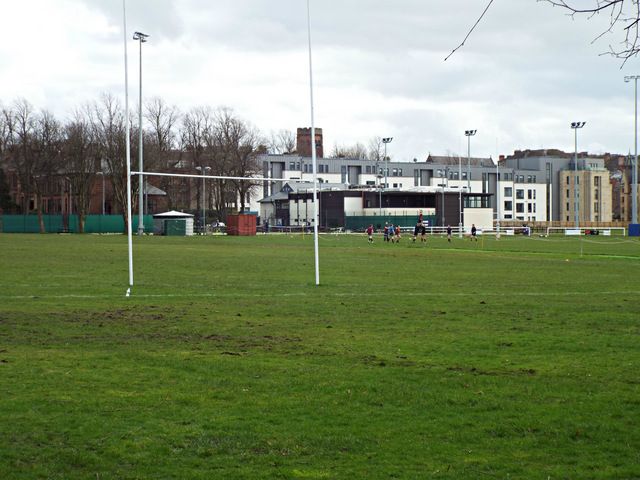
pixel 525 73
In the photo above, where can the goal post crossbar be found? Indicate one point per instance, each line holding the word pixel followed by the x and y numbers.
pixel 218 177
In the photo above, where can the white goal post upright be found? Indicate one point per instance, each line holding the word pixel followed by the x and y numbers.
pixel 313 155
pixel 128 146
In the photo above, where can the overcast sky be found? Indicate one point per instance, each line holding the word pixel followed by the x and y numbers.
pixel 524 75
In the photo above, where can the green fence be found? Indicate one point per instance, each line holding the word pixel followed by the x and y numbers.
pixel 361 222
pixel 69 224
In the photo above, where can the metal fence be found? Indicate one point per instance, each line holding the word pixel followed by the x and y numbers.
pixel 361 222
pixel 69 224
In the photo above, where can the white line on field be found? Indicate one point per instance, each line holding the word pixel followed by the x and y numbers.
pixel 334 294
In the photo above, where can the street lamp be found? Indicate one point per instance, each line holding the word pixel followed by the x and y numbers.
pixel 634 181
pixel 575 126
pixel 469 134
pixel 142 38
pixel 204 171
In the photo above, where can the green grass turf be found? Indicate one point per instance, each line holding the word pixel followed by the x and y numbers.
pixel 515 358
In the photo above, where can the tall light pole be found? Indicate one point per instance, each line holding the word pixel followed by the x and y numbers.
pixel 575 126
pixel 379 177
pixel 469 134
pixel 204 171
pixel 498 198
pixel 444 180
pixel 386 166
pixel 142 38
pixel 459 196
pixel 634 179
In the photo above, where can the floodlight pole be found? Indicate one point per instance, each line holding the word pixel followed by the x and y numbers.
pixel 142 38
pixel 634 178
pixel 204 171
pixel 386 165
pixel 459 196
pixel 498 198
pixel 469 134
pixel 313 154
pixel 575 126
pixel 127 146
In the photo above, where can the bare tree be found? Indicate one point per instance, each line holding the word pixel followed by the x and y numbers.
pixel 161 137
pixel 81 160
pixel 376 149
pixel 357 151
pixel 46 150
pixel 108 121
pixel 195 139
pixel 282 142
pixel 19 124
pixel 624 17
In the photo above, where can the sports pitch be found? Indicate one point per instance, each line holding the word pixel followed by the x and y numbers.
pixel 516 358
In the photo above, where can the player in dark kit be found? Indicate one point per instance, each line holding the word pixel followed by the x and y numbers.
pixel 416 231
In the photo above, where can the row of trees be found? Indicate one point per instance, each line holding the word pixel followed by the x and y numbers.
pixel 45 152
pixel 49 155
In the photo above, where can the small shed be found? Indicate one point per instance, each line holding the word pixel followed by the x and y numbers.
pixel 173 223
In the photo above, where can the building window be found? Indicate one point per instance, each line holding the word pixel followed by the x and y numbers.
pixel 567 180
pixel 508 192
pixel 399 172
pixel 567 206
pixel 520 194
pixel 508 205
pixel 519 207
pixel 529 178
pixel 596 181
pixel 464 175
pixel 567 193
pixel 595 207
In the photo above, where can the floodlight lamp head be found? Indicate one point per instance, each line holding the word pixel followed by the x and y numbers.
pixel 140 36
pixel 470 133
pixel 387 140
pixel 577 124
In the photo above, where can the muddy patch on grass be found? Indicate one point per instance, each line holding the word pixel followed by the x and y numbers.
pixel 477 371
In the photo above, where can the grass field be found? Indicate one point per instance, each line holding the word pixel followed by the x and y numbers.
pixel 516 358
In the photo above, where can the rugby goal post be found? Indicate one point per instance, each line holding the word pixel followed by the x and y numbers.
pixel 216 177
